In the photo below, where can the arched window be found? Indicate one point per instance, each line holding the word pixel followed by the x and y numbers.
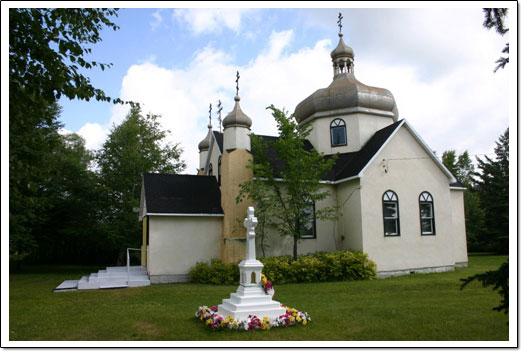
pixel 391 213
pixel 219 170
pixel 308 226
pixel 338 132
pixel 210 170
pixel 427 214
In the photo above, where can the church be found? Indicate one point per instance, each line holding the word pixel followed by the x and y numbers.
pixel 398 202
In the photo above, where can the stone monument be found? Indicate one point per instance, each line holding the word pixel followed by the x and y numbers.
pixel 250 298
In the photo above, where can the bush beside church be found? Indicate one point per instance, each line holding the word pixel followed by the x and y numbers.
pixel 321 266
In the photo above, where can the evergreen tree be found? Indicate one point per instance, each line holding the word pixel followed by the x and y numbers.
pixel 493 191
pixel 495 18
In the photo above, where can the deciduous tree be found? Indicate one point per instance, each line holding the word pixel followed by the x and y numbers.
pixel 292 199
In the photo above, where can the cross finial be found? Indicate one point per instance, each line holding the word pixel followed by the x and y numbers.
pixel 219 109
pixel 210 116
pixel 237 81
pixel 340 22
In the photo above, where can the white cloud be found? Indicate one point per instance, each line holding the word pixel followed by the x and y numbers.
pixel 464 107
pixel 94 135
pixel 157 19
pixel 211 20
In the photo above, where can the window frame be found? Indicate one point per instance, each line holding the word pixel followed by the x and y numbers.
pixel 390 195
pixel 341 125
pixel 210 170
pixel 314 224
pixel 427 199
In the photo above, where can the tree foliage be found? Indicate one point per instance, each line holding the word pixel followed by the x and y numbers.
pixel 498 279
pixel 289 200
pixel 495 18
pixel 493 190
pixel 462 168
pixel 47 49
pixel 134 147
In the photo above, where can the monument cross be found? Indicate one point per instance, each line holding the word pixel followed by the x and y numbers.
pixel 250 223
pixel 340 22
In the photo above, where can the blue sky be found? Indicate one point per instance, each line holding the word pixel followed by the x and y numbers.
pixel 437 62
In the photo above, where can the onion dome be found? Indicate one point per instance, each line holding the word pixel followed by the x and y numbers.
pixel 346 94
pixel 205 143
pixel 237 118
pixel 342 50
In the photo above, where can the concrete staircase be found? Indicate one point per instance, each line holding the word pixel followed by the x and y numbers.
pixel 110 278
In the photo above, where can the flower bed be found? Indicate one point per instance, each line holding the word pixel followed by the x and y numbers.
pixel 216 321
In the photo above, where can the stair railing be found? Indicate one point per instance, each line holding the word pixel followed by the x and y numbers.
pixel 128 258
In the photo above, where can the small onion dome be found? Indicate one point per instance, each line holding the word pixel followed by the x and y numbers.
pixel 205 143
pixel 237 118
pixel 347 95
pixel 342 50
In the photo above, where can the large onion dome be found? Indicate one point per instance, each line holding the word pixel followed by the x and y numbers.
pixel 237 118
pixel 346 94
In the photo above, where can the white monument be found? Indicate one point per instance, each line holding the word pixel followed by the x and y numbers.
pixel 250 298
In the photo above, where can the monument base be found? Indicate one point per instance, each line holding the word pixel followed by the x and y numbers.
pixel 250 300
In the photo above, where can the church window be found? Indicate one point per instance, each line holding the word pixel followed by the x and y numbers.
pixel 219 171
pixel 210 170
pixel 308 223
pixel 338 132
pixel 391 214
pixel 427 214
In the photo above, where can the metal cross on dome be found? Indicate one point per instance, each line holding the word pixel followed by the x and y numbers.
pixel 237 81
pixel 219 109
pixel 210 116
pixel 340 22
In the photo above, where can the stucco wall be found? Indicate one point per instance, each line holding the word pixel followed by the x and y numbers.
pixel 213 155
pixel 359 129
pixel 350 222
pixel 458 226
pixel 410 171
pixel 177 243
pixel 327 238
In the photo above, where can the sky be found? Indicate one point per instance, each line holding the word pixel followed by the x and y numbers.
pixel 437 62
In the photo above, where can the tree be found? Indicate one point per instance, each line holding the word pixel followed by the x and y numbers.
pixel 462 168
pixel 47 51
pixel 302 169
pixel 134 147
pixel 70 231
pixel 495 18
pixel 31 143
pixel 493 191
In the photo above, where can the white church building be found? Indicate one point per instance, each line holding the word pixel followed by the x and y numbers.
pixel 398 202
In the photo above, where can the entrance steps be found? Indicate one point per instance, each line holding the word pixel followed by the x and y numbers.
pixel 110 278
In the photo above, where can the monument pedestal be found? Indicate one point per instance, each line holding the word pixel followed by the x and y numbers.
pixel 250 298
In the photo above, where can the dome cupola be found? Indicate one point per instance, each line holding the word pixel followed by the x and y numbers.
pixel 204 145
pixel 345 95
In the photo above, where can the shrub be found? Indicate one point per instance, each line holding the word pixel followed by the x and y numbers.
pixel 320 266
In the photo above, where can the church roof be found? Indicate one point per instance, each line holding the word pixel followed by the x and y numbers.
pixel 348 164
pixel 219 139
pixel 180 194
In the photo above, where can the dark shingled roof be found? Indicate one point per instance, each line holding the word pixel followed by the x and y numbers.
pixel 348 164
pixel 458 185
pixel 182 194
pixel 219 138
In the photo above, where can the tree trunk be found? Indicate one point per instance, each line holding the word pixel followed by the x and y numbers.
pixel 295 240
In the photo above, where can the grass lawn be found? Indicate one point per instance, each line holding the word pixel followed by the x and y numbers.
pixel 415 307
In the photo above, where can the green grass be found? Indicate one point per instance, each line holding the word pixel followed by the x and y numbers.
pixel 415 307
